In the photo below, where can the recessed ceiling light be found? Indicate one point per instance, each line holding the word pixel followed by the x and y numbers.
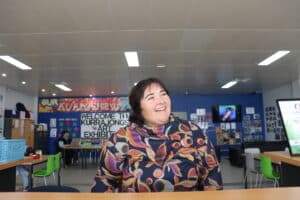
pixel 63 87
pixel 23 82
pixel 15 62
pixel 53 94
pixel 43 90
pixel 4 75
pixel 91 95
pixel 273 58
pixel 160 66
pixel 132 58
pixel 229 84
pixel 112 92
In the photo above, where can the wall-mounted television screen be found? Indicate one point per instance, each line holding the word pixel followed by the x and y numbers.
pixel 227 113
pixel 290 114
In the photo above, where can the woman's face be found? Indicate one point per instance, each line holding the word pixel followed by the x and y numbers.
pixel 66 135
pixel 155 105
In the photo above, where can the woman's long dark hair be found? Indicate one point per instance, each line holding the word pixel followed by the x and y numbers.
pixel 135 96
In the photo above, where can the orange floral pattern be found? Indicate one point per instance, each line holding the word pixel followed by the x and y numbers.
pixel 173 157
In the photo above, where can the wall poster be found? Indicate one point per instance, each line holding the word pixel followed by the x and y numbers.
pixel 102 125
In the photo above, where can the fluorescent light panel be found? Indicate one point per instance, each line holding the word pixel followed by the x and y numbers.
pixel 229 84
pixel 273 58
pixel 132 58
pixel 15 62
pixel 160 66
pixel 63 87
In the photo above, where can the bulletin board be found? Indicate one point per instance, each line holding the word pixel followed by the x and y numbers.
pixel 83 117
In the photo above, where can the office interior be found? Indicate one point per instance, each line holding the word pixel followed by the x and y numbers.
pixel 193 46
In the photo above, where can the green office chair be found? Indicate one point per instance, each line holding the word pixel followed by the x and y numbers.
pixel 267 170
pixel 56 163
pixel 46 171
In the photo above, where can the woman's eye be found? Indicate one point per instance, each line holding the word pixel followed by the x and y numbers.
pixel 150 98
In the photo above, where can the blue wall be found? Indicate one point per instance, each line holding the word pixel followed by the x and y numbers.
pixel 181 103
pixel 189 104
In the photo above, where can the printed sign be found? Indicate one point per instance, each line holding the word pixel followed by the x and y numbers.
pixel 102 125
pixel 109 104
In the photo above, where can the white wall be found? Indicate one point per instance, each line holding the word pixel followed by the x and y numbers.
pixel 2 107
pixel 12 97
pixel 296 89
pixel 290 90
pixel 270 96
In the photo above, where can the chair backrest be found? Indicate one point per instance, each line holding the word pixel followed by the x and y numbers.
pixel 266 166
pixel 249 158
pixel 50 165
pixel 57 161
pixel 53 188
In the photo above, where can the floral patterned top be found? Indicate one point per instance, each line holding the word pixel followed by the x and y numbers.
pixel 173 157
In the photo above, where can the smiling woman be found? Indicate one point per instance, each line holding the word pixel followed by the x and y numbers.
pixel 156 105
pixel 156 152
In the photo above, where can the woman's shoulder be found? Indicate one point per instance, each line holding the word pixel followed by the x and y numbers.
pixel 192 126
pixel 121 133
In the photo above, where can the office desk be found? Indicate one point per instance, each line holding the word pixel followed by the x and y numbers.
pixel 8 174
pixel 81 148
pixel 251 194
pixel 283 156
pixel 31 163
pixel 289 167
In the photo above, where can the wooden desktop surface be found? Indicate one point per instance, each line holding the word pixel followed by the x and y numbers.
pixel 283 156
pixel 250 194
pixel 42 159
pixel 82 147
pixel 14 163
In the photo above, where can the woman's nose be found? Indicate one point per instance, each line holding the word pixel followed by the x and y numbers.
pixel 160 99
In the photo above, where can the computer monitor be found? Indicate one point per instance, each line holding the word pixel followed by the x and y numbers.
pixel 290 114
pixel 226 113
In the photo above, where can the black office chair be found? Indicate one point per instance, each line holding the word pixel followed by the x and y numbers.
pixel 53 188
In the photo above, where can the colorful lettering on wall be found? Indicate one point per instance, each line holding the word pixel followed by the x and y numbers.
pixel 48 105
pixel 102 125
pixel 107 104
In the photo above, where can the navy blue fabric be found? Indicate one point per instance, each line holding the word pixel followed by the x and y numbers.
pixel 53 188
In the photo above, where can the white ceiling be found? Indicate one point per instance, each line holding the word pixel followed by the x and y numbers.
pixel 203 43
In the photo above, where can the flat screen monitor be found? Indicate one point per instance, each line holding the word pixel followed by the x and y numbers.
pixel 227 113
pixel 290 114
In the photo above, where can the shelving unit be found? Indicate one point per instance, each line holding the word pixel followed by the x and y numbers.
pixel 19 129
pixel 40 138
